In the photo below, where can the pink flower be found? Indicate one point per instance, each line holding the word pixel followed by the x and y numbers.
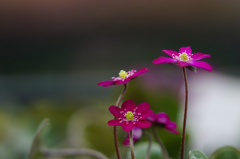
pixel 124 77
pixel 136 133
pixel 130 115
pixel 184 58
pixel 163 120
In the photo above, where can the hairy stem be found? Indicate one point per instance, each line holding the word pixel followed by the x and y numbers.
pixel 72 152
pixel 149 144
pixel 121 95
pixel 131 144
pixel 160 142
pixel 185 113
pixel 115 128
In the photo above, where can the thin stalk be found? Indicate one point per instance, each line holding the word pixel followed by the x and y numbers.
pixel 115 128
pixel 121 95
pixel 160 142
pixel 185 113
pixel 131 144
pixel 149 144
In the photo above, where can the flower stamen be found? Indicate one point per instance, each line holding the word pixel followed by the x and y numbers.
pixel 123 74
pixel 183 57
pixel 129 115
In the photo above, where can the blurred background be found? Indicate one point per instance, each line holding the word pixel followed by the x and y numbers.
pixel 53 54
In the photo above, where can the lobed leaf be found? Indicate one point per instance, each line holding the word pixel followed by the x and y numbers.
pixel 197 154
pixel 226 152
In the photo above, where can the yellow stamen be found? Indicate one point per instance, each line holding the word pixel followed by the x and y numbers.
pixel 129 115
pixel 123 74
pixel 184 57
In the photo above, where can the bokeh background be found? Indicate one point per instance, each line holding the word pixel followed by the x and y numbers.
pixel 53 54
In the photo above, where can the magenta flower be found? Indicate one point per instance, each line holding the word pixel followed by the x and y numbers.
pixel 130 115
pixel 184 58
pixel 136 133
pixel 124 77
pixel 161 119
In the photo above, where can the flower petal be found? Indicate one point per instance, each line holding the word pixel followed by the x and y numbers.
pixel 170 52
pixel 115 111
pixel 143 124
pixel 142 107
pixel 163 59
pixel 140 72
pixel 146 114
pixel 202 64
pixel 199 55
pixel 106 83
pixel 114 122
pixel 173 131
pixel 162 118
pixel 137 133
pixel 122 82
pixel 129 105
pixel 152 118
pixel 126 142
pixel 187 50
pixel 184 64
pixel 127 127
pixel 171 127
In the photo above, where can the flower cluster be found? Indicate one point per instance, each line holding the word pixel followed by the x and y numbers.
pixel 134 118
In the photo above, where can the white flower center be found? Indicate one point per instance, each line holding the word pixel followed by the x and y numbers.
pixel 183 57
pixel 124 75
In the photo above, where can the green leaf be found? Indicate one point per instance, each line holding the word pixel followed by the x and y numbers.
pixel 37 142
pixel 192 68
pixel 226 152
pixel 197 154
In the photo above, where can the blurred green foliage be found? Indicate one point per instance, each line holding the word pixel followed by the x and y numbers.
pixel 80 125
pixel 227 152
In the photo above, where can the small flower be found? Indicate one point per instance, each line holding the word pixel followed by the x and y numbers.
pixel 130 115
pixel 136 133
pixel 124 77
pixel 184 58
pixel 161 119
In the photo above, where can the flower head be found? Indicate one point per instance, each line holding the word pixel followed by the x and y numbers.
pixel 136 133
pixel 184 57
pixel 130 115
pixel 163 120
pixel 124 77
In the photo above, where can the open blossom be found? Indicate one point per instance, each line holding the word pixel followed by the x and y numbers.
pixel 124 77
pixel 130 115
pixel 136 134
pixel 161 119
pixel 184 57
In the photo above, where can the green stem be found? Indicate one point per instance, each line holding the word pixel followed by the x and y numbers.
pixel 185 113
pixel 131 144
pixel 149 144
pixel 160 142
pixel 115 128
